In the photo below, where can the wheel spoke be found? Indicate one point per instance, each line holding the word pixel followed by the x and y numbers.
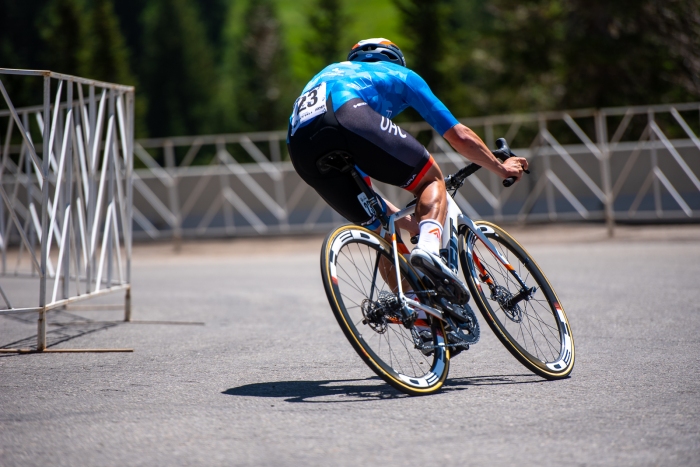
pixel 357 271
pixel 539 329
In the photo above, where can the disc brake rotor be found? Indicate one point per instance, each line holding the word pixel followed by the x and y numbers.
pixel 503 297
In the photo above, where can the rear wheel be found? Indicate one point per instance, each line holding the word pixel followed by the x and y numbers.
pixel 360 281
pixel 535 330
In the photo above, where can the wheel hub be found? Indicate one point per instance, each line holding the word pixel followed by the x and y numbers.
pixel 505 300
pixel 378 314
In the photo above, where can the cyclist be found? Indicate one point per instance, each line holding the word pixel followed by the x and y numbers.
pixel 347 108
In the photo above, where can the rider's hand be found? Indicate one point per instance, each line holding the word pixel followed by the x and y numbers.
pixel 513 167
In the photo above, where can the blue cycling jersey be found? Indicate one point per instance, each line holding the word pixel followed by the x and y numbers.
pixel 387 88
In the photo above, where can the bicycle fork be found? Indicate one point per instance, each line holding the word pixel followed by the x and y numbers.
pixel 525 291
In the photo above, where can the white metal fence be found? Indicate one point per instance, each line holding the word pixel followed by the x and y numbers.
pixel 612 164
pixel 66 201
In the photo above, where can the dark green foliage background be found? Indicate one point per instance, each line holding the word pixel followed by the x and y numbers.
pixel 237 65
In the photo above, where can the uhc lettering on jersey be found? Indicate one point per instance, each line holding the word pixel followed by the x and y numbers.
pixel 391 127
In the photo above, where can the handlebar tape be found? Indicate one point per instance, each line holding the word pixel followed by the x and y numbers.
pixel 503 152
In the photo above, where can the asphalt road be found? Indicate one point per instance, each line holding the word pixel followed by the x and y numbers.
pixel 270 379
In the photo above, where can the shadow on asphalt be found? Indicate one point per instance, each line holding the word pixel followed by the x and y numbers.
pixel 361 390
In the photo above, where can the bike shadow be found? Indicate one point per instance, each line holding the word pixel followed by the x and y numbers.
pixel 361 390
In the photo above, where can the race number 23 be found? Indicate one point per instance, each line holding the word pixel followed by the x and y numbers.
pixel 309 105
pixel 308 101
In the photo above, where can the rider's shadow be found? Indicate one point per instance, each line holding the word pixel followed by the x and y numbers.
pixel 320 392
pixel 360 390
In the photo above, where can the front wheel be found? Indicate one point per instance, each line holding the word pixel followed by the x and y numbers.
pixel 535 330
pixel 360 281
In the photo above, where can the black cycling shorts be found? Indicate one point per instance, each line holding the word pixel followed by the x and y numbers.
pixel 380 149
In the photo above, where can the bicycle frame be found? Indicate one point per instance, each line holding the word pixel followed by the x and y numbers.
pixel 463 223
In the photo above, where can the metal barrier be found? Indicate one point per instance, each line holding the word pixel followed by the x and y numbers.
pixel 647 171
pixel 243 184
pixel 71 195
pixel 580 173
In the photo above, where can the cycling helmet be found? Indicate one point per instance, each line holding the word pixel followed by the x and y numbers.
pixel 377 50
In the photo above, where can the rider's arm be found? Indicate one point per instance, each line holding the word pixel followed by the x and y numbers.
pixel 468 144
pixel 418 95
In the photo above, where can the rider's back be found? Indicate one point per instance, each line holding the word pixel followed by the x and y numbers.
pixel 387 88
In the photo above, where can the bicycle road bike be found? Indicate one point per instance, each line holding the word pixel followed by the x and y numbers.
pixel 376 295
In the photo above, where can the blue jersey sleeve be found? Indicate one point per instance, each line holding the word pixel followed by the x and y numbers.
pixel 420 97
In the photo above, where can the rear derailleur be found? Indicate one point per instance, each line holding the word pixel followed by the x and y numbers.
pixel 386 310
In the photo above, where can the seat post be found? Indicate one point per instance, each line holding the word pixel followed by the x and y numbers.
pixel 371 196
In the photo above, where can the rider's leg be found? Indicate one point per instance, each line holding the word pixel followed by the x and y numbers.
pixel 431 209
pixel 407 223
pixel 431 195
pixel 431 205
pixel 386 266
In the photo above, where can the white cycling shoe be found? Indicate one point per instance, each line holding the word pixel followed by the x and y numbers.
pixel 445 281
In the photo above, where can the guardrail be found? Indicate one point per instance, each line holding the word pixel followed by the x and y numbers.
pixel 646 171
pixel 71 196
pixel 581 173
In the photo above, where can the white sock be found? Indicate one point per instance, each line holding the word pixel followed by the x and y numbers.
pixel 430 235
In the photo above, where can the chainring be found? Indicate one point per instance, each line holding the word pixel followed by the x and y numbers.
pixel 467 328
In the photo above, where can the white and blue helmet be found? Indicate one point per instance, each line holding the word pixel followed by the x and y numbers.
pixel 377 49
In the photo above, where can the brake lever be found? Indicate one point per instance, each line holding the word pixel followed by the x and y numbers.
pixel 510 180
pixel 504 151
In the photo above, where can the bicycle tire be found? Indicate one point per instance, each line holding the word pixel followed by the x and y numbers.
pixel 384 344
pixel 536 331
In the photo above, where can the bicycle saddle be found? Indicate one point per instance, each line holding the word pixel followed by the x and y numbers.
pixel 335 160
